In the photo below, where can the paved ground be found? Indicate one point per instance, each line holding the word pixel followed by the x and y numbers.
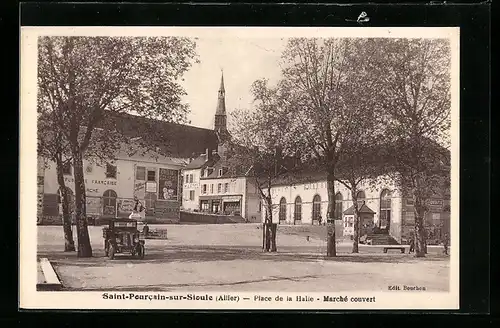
pixel 229 257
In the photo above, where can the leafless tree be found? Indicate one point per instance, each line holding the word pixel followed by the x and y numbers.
pixel 83 81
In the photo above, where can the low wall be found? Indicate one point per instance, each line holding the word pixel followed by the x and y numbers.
pixel 203 218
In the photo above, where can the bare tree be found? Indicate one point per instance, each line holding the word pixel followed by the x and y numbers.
pixel 415 104
pixel 53 146
pixel 266 146
pixel 83 81
pixel 328 79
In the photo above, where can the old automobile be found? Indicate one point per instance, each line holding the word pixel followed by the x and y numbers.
pixel 121 236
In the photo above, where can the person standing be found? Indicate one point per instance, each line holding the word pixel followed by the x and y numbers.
pixel 412 244
pixel 446 243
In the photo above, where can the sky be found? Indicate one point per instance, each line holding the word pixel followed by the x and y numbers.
pixel 243 60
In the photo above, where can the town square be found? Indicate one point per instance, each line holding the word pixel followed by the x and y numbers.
pixel 243 161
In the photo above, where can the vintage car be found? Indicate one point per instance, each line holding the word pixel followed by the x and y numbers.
pixel 122 236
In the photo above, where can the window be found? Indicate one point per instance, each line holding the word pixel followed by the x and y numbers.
pixel 110 171
pixel 67 168
pixel 220 172
pixel 361 197
pixel 409 202
pixel 226 187
pixel 316 214
pixel 140 173
pixel 282 214
pixel 191 195
pixel 385 209
pixel 109 202
pixel 202 173
pixel 204 205
pixel 338 206
pixel 219 188
pixel 298 209
pixel 191 178
pixel 186 178
pixel 151 175
pixel 210 170
pixel 409 218
pixel 204 189
pixel 212 188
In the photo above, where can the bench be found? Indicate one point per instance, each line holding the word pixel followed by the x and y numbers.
pixel 402 249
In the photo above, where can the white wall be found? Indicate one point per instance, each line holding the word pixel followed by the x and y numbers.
pixel 96 181
pixel 307 191
pixel 191 186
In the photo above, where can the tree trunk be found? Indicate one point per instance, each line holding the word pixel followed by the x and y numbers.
pixel 420 242
pixel 84 247
pixel 271 226
pixel 355 244
pixel 69 243
pixel 331 250
pixel 274 228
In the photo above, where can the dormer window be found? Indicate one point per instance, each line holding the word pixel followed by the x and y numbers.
pixel 210 170
pixel 220 172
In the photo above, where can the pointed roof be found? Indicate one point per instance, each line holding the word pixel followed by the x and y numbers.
pixel 221 101
pixel 221 88
pixel 363 209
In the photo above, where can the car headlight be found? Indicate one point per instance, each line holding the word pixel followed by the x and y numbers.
pixel 136 240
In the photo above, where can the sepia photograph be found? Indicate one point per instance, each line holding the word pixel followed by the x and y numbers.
pixel 234 168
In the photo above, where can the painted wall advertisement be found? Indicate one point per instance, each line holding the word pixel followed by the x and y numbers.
pixel 169 182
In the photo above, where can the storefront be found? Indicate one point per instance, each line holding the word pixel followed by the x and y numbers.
pixel 230 205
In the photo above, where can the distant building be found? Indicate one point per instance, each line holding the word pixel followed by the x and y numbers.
pixel 302 198
pixel 110 187
pixel 212 184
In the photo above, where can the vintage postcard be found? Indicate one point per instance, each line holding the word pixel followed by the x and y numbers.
pixel 239 168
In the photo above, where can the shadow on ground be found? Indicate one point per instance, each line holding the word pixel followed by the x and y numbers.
pixel 230 253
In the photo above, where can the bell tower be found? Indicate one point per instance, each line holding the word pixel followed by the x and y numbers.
pixel 220 125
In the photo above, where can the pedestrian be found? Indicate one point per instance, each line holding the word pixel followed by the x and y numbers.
pixel 319 219
pixel 445 244
pixel 412 245
pixel 145 229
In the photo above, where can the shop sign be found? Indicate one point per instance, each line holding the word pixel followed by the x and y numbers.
pixel 231 199
pixel 93 182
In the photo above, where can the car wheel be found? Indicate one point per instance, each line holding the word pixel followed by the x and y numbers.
pixel 140 252
pixel 111 252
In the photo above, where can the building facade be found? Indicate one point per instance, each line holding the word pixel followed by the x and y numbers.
pixel 211 183
pixel 305 202
pixel 111 186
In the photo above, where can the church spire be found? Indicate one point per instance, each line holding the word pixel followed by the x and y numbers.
pixel 221 101
pixel 220 112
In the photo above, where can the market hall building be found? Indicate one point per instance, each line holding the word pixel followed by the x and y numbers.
pixel 303 199
pixel 110 187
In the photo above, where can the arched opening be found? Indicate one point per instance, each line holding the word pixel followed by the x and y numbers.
pixel 282 214
pixel 109 202
pixel 316 211
pixel 361 198
pixel 297 215
pixel 384 221
pixel 338 206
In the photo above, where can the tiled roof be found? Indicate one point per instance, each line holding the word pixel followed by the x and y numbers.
pixel 174 140
pixel 201 162
pixel 363 209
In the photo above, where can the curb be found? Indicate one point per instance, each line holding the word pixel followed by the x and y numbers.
pixel 52 281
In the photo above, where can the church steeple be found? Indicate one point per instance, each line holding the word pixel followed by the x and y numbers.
pixel 221 101
pixel 220 113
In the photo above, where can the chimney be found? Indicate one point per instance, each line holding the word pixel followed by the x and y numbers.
pixel 208 154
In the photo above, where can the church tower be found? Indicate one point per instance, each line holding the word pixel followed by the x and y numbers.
pixel 220 126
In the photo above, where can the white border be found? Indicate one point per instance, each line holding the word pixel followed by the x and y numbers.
pixel 31 299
